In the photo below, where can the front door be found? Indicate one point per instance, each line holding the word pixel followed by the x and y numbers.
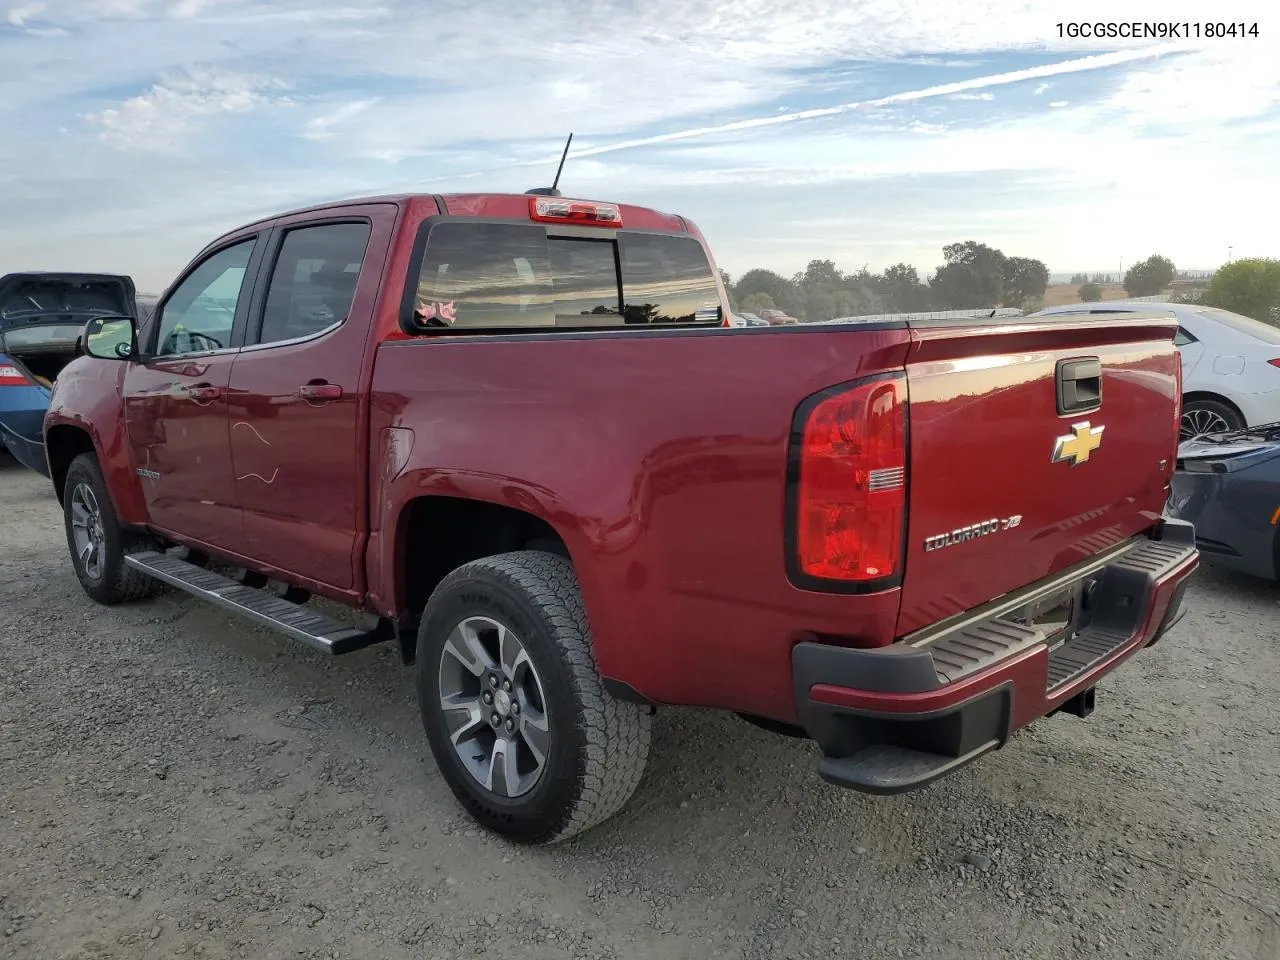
pixel 297 447
pixel 176 401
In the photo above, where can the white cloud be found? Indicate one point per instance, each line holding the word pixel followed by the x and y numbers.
pixel 19 15
pixel 322 127
pixel 157 119
pixel 241 107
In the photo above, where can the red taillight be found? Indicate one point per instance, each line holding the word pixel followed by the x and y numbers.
pixel 11 376
pixel 582 212
pixel 1275 362
pixel 851 483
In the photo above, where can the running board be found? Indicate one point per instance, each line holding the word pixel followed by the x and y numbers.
pixel 314 629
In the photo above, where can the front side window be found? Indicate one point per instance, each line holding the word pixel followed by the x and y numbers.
pixel 313 283
pixel 504 275
pixel 202 310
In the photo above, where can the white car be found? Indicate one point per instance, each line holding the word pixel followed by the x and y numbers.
pixel 1230 363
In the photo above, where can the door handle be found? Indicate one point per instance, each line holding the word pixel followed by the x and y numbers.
pixel 203 393
pixel 1079 385
pixel 319 391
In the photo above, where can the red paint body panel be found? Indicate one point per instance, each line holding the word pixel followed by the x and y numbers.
pixel 983 424
pixel 300 475
pixel 671 506
pixel 182 442
pixel 87 399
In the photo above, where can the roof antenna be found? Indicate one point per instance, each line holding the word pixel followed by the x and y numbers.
pixel 551 191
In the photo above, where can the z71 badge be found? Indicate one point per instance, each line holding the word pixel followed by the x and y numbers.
pixel 972 532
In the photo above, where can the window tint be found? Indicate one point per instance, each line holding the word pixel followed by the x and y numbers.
pixel 314 280
pixel 201 312
pixel 1246 325
pixel 485 275
pixel 667 279
pixel 513 275
pixel 585 282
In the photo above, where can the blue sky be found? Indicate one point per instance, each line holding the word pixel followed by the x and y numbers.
pixel 868 133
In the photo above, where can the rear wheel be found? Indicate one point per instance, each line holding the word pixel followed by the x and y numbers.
pixel 1208 416
pixel 515 712
pixel 97 541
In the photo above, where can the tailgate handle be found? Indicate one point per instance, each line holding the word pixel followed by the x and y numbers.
pixel 1079 385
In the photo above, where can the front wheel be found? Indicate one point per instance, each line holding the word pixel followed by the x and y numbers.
pixel 515 712
pixel 97 541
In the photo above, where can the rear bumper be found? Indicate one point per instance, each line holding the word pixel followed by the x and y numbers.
pixel 897 718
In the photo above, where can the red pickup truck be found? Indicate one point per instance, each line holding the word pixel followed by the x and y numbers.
pixel 515 434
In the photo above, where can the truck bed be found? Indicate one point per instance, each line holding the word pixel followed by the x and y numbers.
pixel 661 459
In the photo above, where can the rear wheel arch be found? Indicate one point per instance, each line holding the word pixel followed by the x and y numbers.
pixel 437 534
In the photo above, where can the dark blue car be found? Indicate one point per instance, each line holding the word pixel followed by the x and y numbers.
pixel 41 317
pixel 1228 485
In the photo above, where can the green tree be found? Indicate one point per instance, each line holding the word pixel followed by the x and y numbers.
pixel 820 273
pixel 902 290
pixel 1078 278
pixel 1149 277
pixel 756 302
pixel 1089 292
pixel 1024 282
pixel 1250 287
pixel 779 289
pixel 972 276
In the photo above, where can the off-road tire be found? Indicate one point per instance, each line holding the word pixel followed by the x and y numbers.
pixel 598 745
pixel 119 582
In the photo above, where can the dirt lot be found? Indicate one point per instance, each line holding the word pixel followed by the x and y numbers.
pixel 1060 294
pixel 174 783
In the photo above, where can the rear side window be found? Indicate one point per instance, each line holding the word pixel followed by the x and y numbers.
pixel 314 280
pixel 1182 338
pixel 513 275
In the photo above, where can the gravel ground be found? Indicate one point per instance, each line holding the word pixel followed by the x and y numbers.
pixel 175 783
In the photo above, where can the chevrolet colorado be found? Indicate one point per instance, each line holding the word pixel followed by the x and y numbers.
pixel 517 434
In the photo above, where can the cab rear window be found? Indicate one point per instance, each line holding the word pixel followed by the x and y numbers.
pixel 512 275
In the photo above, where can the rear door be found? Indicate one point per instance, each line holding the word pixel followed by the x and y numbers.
pixel 1033 445
pixel 297 412
pixel 176 402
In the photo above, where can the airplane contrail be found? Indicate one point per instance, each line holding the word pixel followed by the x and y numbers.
pixel 1078 65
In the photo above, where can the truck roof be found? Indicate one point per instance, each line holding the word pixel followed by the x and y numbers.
pixel 482 204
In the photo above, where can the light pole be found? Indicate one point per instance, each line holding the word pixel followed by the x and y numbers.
pixel 1228 254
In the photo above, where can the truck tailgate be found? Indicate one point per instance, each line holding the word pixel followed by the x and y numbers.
pixel 1019 464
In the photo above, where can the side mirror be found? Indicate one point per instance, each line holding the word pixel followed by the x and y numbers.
pixel 111 338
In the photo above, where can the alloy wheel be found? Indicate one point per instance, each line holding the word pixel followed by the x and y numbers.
pixel 494 706
pixel 87 531
pixel 1196 422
